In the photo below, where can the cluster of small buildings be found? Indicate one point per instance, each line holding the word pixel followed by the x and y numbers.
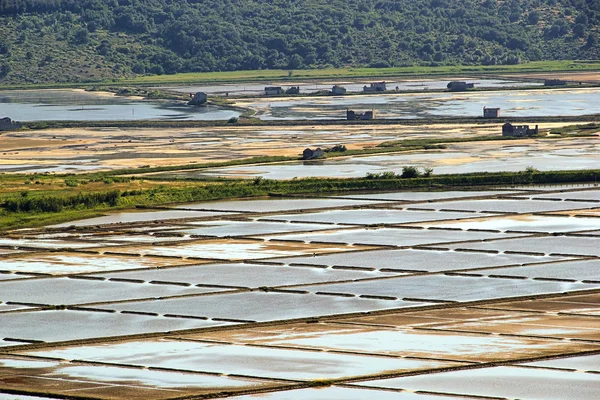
pixel 275 90
pixel 310 154
pixel 336 90
pixel 509 129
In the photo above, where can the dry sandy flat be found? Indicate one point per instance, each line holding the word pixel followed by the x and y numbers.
pixel 105 148
pixel 493 156
pixel 78 149
pixel 588 213
pixel 100 93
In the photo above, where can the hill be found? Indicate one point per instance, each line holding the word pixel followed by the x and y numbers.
pixel 45 41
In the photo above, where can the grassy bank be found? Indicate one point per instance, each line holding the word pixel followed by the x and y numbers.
pixel 343 73
pixel 48 207
pixel 330 73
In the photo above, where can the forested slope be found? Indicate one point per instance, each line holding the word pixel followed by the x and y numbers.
pixel 71 40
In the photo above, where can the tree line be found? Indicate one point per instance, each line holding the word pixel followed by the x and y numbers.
pixel 221 35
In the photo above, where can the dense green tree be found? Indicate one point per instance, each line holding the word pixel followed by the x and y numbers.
pixel 170 36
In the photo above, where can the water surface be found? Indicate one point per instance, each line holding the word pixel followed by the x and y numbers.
pixel 76 105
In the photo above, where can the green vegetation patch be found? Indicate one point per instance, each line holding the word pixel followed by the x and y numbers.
pixel 20 210
pixel 45 41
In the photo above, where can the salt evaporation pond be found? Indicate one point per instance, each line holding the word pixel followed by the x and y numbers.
pixel 501 382
pixel 460 159
pixel 78 105
pixel 515 103
pixel 248 88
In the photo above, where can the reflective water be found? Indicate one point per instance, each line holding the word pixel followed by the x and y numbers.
pixel 417 260
pixel 378 340
pixel 140 216
pixel 579 271
pixel 159 379
pixel 448 288
pixel 72 325
pixel 517 103
pixel 248 361
pixel 346 393
pixel 458 159
pixel 244 275
pixel 503 382
pixel 523 223
pixel 545 245
pixel 76 105
pixel 389 237
pixel 261 306
pixel 355 86
pixel 587 363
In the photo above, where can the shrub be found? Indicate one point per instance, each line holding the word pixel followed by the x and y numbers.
pixel 410 172
pixel 338 148
pixel 71 182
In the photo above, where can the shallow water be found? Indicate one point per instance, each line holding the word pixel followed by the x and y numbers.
pixel 378 340
pixel 80 291
pixel 70 105
pixel 261 306
pixel 345 393
pixel 517 103
pixel 389 237
pixel 231 359
pixel 65 263
pixel 4 396
pixel 577 270
pixel 159 379
pixel 448 288
pixel 586 195
pixel 355 86
pixel 425 196
pixel 142 216
pixel 275 204
pixel 417 260
pixel 586 363
pixel 54 326
pixel 504 382
pixel 369 217
pixel 231 249
pixel 243 228
pixel 523 223
pixel 505 206
pixel 545 245
pixel 547 325
pixel 245 275
pixel 458 159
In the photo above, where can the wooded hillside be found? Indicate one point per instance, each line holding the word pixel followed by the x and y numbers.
pixel 71 40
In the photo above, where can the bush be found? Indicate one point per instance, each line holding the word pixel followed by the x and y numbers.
pixel 410 172
pixel 338 148
pixel 71 182
pixel 58 203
